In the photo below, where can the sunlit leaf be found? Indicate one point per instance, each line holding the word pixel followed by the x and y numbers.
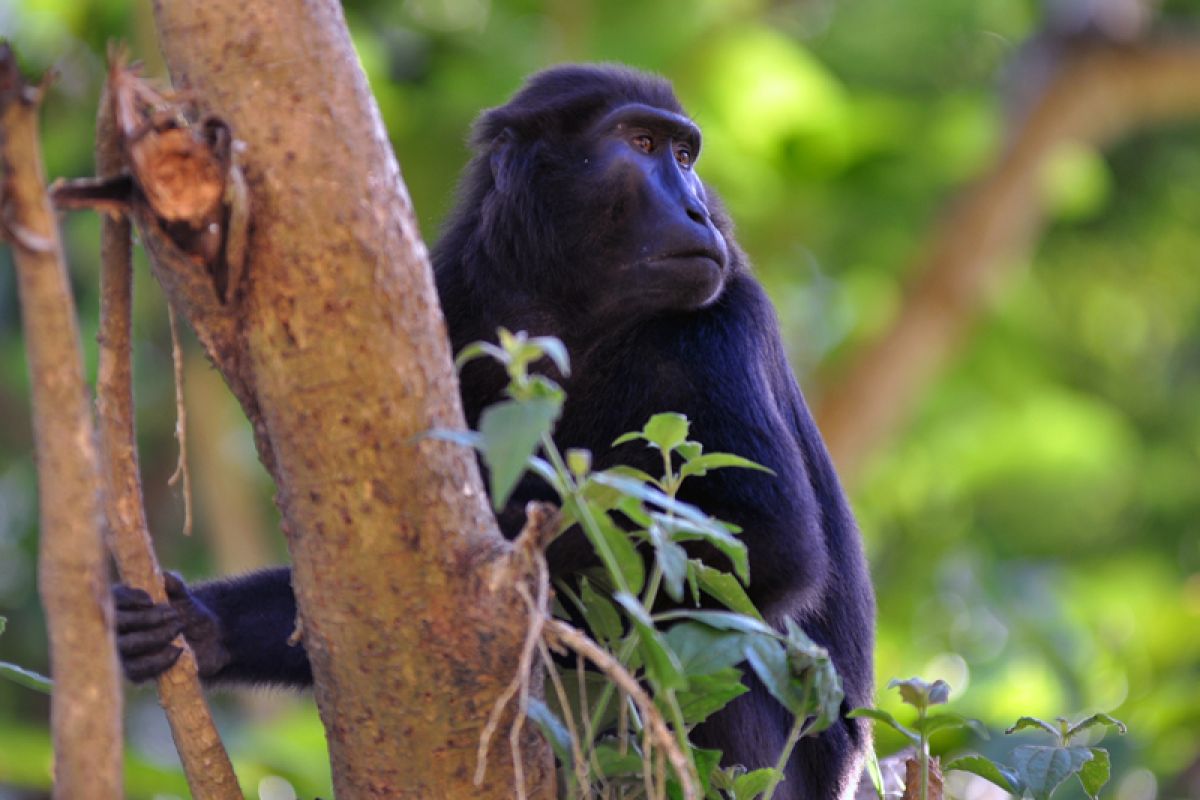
pixel 722 620
pixel 989 770
pixel 511 431
pixel 919 694
pixel 1042 769
pixel 666 431
pixel 1033 722
pixel 1094 774
pixel 1093 721
pixel 753 784
pixel 702 464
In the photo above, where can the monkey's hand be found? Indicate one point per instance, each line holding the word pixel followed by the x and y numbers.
pixel 146 631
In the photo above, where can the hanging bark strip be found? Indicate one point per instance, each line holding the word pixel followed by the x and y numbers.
pixel 85 707
pixel 205 762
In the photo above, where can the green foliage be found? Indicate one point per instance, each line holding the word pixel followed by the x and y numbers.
pixel 1036 771
pixel 687 657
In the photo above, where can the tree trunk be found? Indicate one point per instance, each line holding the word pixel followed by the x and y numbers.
pixel 335 346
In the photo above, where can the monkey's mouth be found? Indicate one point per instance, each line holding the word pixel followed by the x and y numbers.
pixel 697 257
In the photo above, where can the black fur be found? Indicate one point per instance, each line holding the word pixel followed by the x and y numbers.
pixel 580 217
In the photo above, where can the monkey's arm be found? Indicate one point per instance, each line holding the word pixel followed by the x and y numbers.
pixel 237 627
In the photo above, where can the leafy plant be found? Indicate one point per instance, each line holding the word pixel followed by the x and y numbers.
pixel 922 696
pixel 689 658
pixel 1038 770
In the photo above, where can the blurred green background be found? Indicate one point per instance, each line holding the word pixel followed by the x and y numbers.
pixel 1033 528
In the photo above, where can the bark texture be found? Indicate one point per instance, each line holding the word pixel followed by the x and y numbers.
pixel 85 708
pixel 335 346
pixel 209 772
pixel 1096 92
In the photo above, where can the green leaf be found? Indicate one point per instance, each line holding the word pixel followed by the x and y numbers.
pixel 3 623
pixel 579 462
pixel 702 464
pixel 662 665
pixel 1093 721
pixel 724 588
pixel 478 350
pixel 555 350
pixel 511 431
pixel 707 762
pixel 919 694
pixel 1034 722
pixel 1094 774
pixel 601 615
pixel 666 431
pixel 753 784
pixel 722 620
pixel 989 770
pixel 768 658
pixel 713 532
pixel 27 678
pixel 614 764
pixel 552 728
pixel 708 694
pixel 628 561
pixel 879 715
pixel 1042 769
pixel 690 450
pixel 702 649
pixel 658 499
pixel 810 663
pixel 938 722
pixel 672 560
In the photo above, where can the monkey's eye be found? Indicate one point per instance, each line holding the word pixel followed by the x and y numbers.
pixel 684 156
pixel 643 142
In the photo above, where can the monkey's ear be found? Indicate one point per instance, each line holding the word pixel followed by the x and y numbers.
pixel 501 158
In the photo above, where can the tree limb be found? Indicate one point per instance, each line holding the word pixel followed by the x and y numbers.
pixel 1098 92
pixel 85 707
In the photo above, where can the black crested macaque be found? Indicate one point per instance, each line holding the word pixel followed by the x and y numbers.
pixel 582 216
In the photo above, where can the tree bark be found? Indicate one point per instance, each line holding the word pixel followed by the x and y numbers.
pixel 1097 93
pixel 335 346
pixel 209 772
pixel 85 707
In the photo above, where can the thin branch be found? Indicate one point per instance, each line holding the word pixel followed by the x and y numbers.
pixel 85 707
pixel 205 762
pixel 566 636
pixel 1099 92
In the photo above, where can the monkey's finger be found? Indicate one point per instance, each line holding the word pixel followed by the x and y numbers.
pixel 176 588
pixel 138 643
pixel 143 668
pixel 129 597
pixel 144 619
